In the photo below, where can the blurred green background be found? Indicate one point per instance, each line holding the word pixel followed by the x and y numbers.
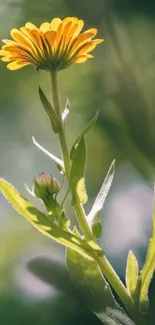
pixel 120 83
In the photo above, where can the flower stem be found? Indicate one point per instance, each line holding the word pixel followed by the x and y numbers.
pixel 102 262
pixel 61 131
pixel 66 158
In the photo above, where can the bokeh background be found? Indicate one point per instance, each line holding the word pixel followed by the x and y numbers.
pixel 120 83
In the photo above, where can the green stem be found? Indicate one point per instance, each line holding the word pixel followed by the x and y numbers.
pixel 61 131
pixel 66 158
pixel 81 216
pixel 102 262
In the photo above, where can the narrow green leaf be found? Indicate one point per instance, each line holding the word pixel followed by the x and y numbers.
pixel 83 133
pixel 94 218
pixel 77 173
pixel 41 222
pixel 58 162
pixel 115 316
pixel 132 273
pixel 88 279
pixel 81 191
pixel 94 289
pixel 49 110
pixel 148 268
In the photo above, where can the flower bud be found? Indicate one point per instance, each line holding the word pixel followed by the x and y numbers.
pixel 45 186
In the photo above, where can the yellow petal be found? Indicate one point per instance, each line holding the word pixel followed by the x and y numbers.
pixel 34 36
pixel 58 37
pixel 8 41
pixel 14 48
pixel 55 24
pixel 98 41
pixel 66 28
pixel 89 56
pixel 79 28
pixel 80 40
pixel 87 48
pixel 50 36
pixel 30 26
pixel 91 30
pixel 45 27
pixel 81 59
pixel 74 31
pixel 37 38
pixel 65 32
pixel 3 52
pixel 17 65
pixel 6 59
pixel 67 23
pixel 71 33
pixel 73 20
pixel 16 52
pixel 9 48
pixel 20 38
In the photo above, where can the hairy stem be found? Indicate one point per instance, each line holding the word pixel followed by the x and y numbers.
pixel 61 131
pixel 66 158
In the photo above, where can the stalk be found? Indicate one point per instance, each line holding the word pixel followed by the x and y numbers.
pixel 66 158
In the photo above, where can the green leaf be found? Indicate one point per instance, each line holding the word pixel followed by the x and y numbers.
pixel 132 273
pixel 88 279
pixel 49 110
pixel 77 173
pixel 115 316
pixel 58 162
pixel 94 289
pixel 41 222
pixel 148 268
pixel 83 133
pixel 81 191
pixel 94 218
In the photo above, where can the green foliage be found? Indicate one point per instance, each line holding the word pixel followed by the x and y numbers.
pixel 132 281
pixel 115 317
pixel 148 269
pixel 77 173
pixel 94 289
pixel 82 134
pixel 59 163
pixel 88 279
pixel 94 218
pixel 41 222
pixel 49 110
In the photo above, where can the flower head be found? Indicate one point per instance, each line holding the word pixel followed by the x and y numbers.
pixel 52 46
pixel 45 186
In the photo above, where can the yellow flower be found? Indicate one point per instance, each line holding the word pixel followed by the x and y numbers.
pixel 52 46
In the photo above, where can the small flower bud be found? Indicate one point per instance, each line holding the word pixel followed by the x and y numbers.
pixel 45 186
